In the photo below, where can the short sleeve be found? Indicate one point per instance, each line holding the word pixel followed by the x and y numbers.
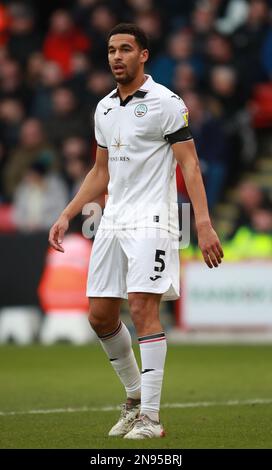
pixel 174 114
pixel 97 131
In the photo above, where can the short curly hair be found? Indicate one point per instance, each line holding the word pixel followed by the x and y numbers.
pixel 131 28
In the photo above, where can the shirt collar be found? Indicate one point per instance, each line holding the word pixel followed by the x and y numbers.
pixel 141 92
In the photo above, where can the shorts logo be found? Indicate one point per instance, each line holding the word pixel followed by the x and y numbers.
pixel 140 110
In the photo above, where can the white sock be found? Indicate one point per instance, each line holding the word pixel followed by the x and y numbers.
pixel 153 352
pixel 118 347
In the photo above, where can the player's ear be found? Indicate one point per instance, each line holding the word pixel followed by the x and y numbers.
pixel 144 55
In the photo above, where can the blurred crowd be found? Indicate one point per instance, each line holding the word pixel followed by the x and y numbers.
pixel 216 54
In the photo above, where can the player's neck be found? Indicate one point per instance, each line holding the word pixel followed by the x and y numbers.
pixel 126 89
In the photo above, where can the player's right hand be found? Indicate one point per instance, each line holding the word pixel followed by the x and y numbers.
pixel 57 232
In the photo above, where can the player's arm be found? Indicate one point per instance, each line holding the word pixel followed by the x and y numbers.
pixel 94 185
pixel 209 244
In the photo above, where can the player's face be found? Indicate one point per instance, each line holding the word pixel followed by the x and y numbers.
pixel 126 58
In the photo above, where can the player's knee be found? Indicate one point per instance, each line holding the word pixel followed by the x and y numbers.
pixel 96 321
pixel 138 305
pixel 144 310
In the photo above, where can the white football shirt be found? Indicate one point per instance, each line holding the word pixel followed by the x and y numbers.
pixel 142 187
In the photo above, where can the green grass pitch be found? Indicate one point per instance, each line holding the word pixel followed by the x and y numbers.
pixel 63 377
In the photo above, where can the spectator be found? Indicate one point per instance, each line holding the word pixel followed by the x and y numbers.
pixel 67 117
pixel 251 243
pixel 236 119
pixel 51 77
pixel 184 79
pixel 219 51
pixel 203 24
pixel 11 82
pixel 34 69
pixel 81 67
pixel 248 41
pixel 23 39
pixel 99 84
pixel 261 221
pixel 63 40
pixel 33 148
pixel 39 198
pixel 80 64
pixel 151 22
pixel 101 21
pixel 76 161
pixel 251 200
pixel 223 87
pixel 12 114
pixel 212 145
pixel 141 6
pixel 179 50
pixel 82 11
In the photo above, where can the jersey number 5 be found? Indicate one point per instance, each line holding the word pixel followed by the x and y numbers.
pixel 160 260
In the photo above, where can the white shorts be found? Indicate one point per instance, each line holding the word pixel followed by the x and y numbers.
pixel 140 260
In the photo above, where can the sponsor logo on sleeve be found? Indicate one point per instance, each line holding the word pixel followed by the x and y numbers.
pixel 186 118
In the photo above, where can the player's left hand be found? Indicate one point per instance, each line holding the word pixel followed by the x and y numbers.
pixel 209 245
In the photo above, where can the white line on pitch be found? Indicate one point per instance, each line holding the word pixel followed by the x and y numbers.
pixel 200 404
